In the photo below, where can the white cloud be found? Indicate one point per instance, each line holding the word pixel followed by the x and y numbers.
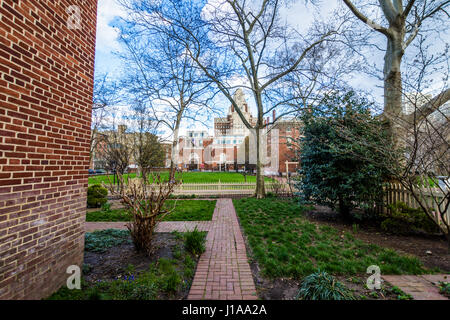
pixel 106 34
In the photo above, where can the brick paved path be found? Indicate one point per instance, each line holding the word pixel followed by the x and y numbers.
pixel 223 271
pixel 165 226
pixel 423 287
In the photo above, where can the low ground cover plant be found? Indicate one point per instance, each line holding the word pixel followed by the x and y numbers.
pixel 444 288
pixel 286 244
pixel 400 294
pixel 195 242
pixel 101 240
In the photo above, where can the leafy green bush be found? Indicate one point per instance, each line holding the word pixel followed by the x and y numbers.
pixel 401 219
pixel 99 241
pixel 194 242
pixel 322 286
pixel 342 163
pixel 96 196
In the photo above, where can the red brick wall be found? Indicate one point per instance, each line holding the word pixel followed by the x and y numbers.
pixel 286 150
pixel 46 82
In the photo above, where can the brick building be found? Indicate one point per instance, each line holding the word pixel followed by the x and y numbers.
pixel 46 83
pixel 229 148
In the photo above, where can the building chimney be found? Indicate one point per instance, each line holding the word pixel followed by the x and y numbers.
pixel 273 115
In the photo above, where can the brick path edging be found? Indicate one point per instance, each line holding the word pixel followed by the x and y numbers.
pixel 165 226
pixel 223 271
pixel 421 287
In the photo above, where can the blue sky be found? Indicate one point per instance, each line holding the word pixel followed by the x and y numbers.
pixel 107 44
pixel 105 60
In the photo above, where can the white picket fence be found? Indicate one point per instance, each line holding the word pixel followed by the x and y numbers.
pixel 225 188
pixel 433 197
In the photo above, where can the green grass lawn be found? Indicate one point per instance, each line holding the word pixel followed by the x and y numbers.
pixel 187 177
pixel 285 244
pixel 185 210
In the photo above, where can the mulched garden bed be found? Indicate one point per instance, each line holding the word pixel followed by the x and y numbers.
pixel 113 263
pixel 113 269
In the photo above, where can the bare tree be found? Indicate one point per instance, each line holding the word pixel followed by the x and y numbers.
pixel 116 149
pixel 147 150
pixel 162 75
pixel 401 22
pixel 243 45
pixel 106 94
pixel 146 202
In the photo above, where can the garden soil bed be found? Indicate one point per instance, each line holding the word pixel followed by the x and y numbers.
pixel 113 263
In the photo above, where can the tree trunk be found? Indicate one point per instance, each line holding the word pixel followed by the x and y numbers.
pixel 344 210
pixel 260 190
pixel 393 90
pixel 174 148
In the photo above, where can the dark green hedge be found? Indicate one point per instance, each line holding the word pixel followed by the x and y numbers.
pixel 96 196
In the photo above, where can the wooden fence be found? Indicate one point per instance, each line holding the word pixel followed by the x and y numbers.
pixel 433 197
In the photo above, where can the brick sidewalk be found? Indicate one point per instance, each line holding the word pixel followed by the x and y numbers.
pixel 165 226
pixel 422 287
pixel 223 271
